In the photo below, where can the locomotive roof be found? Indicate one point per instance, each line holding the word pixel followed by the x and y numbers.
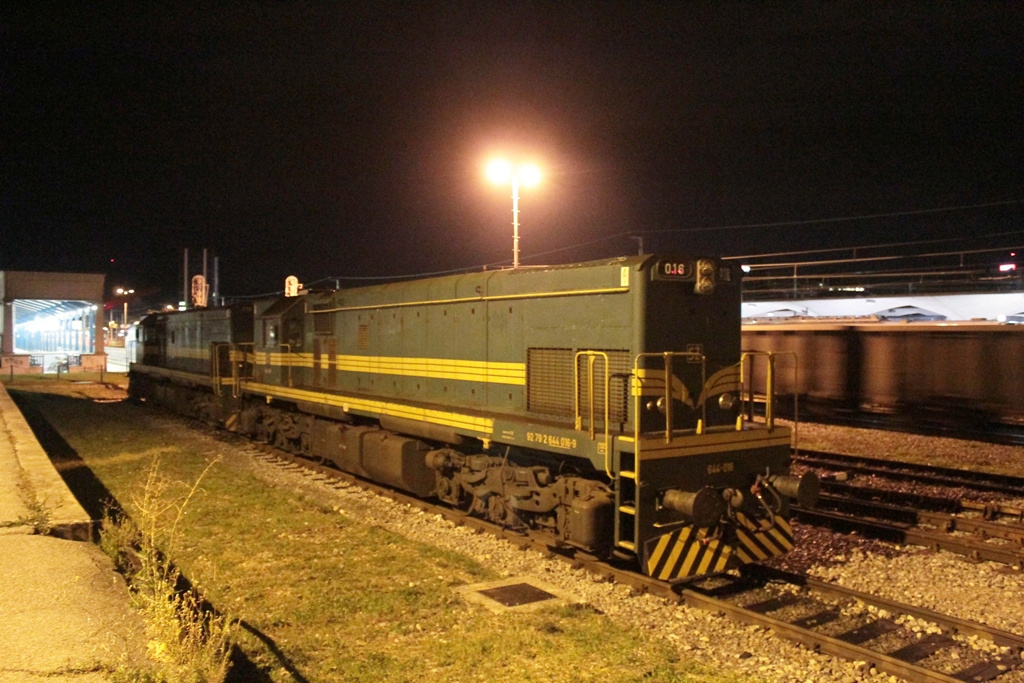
pixel 504 282
pixel 282 305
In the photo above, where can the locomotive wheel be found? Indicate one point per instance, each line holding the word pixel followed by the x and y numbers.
pixel 497 511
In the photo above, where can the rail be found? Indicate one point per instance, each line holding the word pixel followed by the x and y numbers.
pixel 867 519
pixel 917 472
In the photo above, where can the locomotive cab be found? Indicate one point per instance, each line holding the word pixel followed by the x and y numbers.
pixel 699 486
pixel 279 341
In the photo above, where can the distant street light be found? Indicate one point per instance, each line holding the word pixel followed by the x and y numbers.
pixel 121 291
pixel 528 175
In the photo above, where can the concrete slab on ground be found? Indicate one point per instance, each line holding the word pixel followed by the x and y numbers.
pixel 66 613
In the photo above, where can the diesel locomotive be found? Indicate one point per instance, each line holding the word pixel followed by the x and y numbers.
pixel 599 403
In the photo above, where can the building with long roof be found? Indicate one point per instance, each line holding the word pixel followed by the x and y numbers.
pixel 51 322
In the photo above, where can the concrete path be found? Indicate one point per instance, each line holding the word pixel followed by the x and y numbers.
pixel 64 611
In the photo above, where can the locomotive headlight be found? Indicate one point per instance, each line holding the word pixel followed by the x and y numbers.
pixel 657 406
pixel 726 401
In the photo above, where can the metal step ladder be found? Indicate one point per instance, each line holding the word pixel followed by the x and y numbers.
pixel 626 490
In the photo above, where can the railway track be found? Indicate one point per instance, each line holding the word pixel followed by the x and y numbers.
pixel 921 501
pixel 854 625
pixel 927 529
pixel 821 616
pixel 911 518
pixel 904 471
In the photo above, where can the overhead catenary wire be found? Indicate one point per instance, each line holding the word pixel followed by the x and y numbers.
pixel 748 257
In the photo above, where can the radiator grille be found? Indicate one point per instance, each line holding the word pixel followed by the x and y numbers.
pixel 550 384
pixel 549 381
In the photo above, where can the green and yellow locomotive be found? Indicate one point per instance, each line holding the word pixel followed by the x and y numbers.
pixel 596 402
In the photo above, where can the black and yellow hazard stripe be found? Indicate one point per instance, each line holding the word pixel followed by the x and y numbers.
pixel 685 552
pixel 761 540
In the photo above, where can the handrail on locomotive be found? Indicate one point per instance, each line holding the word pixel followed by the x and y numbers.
pixel 747 396
pixel 592 357
pixel 245 362
pixel 664 403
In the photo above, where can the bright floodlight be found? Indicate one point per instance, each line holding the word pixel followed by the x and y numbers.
pixel 529 175
pixel 499 171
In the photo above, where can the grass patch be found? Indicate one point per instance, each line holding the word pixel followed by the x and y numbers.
pixel 188 640
pixel 320 595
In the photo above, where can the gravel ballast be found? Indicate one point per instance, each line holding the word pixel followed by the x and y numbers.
pixel 985 592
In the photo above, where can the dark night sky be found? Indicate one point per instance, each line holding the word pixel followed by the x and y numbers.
pixel 322 140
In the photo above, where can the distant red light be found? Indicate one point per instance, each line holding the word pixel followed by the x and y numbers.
pixel 1007 267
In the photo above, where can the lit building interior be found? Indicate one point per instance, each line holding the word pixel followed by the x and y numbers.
pixel 51 322
pixel 43 325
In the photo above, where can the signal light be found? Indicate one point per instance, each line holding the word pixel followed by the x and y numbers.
pixel 705 277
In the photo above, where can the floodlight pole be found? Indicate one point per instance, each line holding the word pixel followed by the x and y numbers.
pixel 501 172
pixel 515 222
